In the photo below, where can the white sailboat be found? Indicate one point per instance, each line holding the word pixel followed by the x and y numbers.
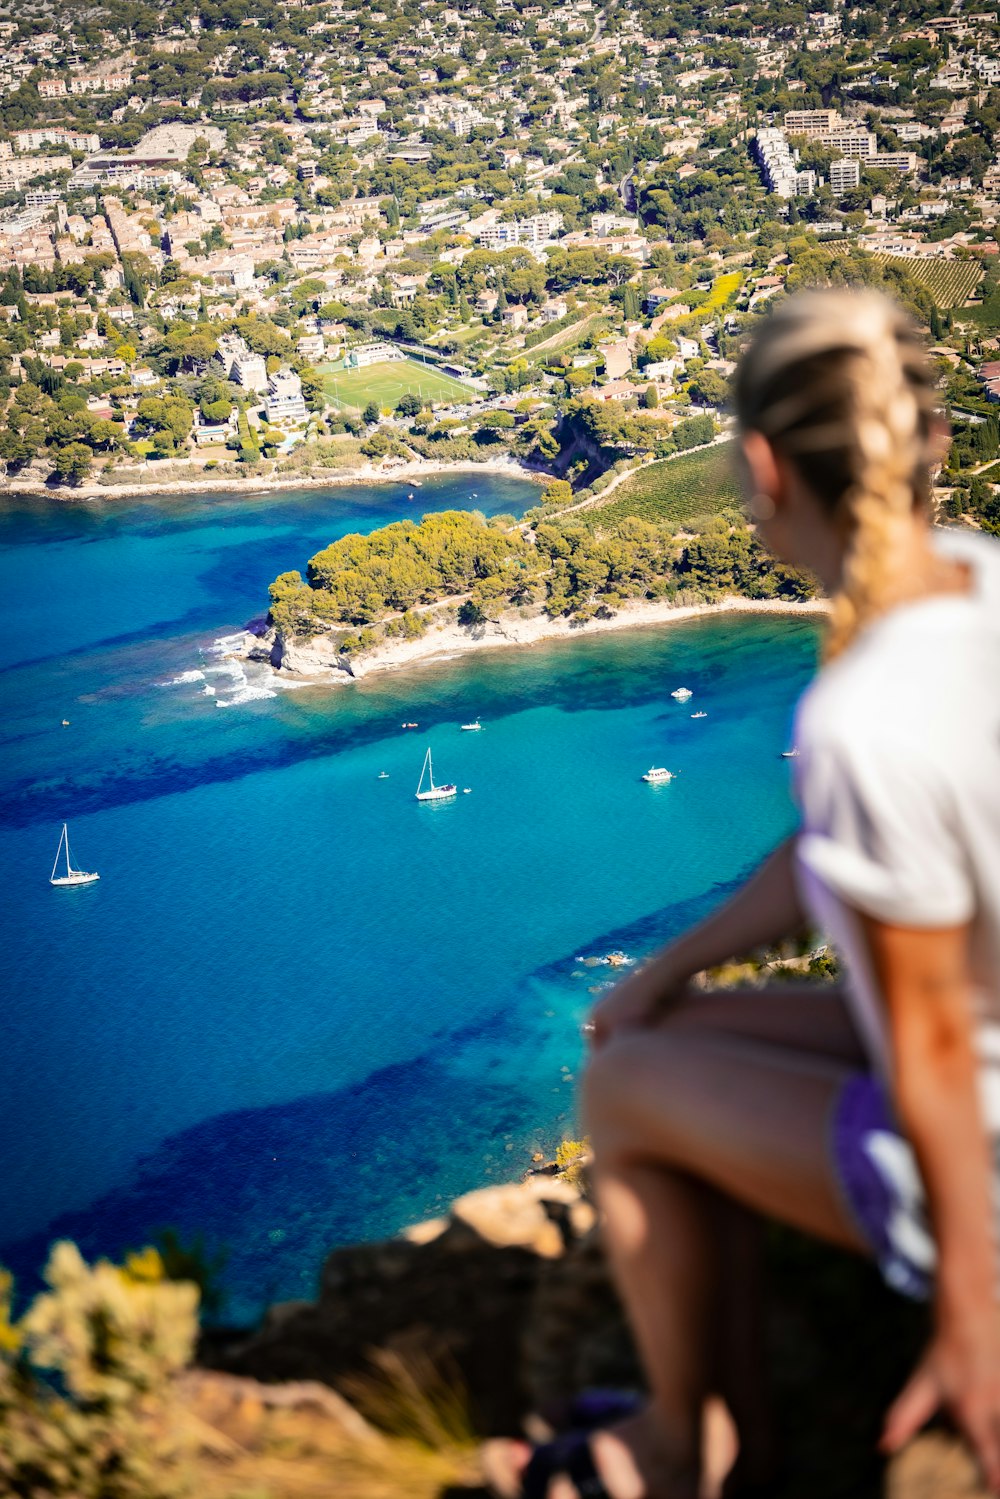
pixel 433 793
pixel 72 876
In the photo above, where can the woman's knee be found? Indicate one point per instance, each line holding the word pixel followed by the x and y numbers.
pixel 623 1077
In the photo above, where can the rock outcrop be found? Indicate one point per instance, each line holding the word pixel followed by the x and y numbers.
pixel 510 1296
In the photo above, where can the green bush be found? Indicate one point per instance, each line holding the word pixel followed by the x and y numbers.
pixel 87 1408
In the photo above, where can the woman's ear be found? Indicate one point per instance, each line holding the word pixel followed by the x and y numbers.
pixel 761 465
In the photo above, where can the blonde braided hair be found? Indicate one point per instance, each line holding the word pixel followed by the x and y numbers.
pixel 838 382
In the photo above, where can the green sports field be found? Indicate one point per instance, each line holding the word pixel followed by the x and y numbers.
pixel 385 383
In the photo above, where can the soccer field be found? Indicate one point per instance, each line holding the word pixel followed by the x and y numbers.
pixel 385 383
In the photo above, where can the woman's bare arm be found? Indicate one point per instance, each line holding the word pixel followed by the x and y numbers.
pixel 924 977
pixel 765 910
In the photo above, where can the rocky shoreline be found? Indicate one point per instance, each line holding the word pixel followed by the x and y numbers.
pixel 366 473
pixel 319 662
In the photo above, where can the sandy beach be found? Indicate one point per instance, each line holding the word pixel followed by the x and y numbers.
pixel 316 660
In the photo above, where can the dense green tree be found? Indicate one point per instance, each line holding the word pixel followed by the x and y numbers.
pixel 72 462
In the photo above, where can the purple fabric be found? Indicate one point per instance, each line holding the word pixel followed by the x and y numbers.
pixel 877 1175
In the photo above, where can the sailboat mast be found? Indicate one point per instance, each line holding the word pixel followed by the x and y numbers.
pixel 55 863
pixel 430 764
pixel 69 867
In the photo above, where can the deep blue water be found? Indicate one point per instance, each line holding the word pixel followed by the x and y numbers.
pixel 299 1008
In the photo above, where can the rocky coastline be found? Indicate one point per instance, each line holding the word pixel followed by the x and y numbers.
pixel 319 661
pixel 385 472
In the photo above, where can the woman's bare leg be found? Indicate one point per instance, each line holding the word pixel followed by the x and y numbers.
pixel 741 1365
pixel 799 1016
pixel 677 1115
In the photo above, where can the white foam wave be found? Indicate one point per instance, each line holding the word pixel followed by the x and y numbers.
pixel 225 643
pixel 233 669
pixel 185 676
pixel 245 695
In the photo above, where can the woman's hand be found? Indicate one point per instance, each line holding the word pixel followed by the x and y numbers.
pixel 960 1373
pixel 763 911
pixel 924 975
pixel 640 1000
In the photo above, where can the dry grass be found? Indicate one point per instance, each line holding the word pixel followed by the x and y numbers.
pixel 251 1449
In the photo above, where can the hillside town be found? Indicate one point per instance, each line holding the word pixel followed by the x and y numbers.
pixel 261 240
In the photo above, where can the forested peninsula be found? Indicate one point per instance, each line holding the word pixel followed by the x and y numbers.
pixel 415 589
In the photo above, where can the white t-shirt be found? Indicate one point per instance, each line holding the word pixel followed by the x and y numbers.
pixel 898 783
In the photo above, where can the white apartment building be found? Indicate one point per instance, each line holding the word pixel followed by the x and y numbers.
pixel 779 165
pixel 284 401
pixel 845 175
pixel 911 130
pixel 240 365
pixel 52 135
pixel 811 121
pixel 895 161
pixel 848 140
pixel 22 168
pixel 537 230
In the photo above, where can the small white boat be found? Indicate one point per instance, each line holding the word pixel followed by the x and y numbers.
pixel 433 793
pixel 681 694
pixel 383 775
pixel 471 728
pixel 702 714
pixel 791 754
pixel 657 773
pixel 72 876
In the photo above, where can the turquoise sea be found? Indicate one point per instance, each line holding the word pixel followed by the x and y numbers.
pixel 299 1008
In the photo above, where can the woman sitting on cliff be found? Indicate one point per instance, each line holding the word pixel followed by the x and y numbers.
pixel 868 1117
